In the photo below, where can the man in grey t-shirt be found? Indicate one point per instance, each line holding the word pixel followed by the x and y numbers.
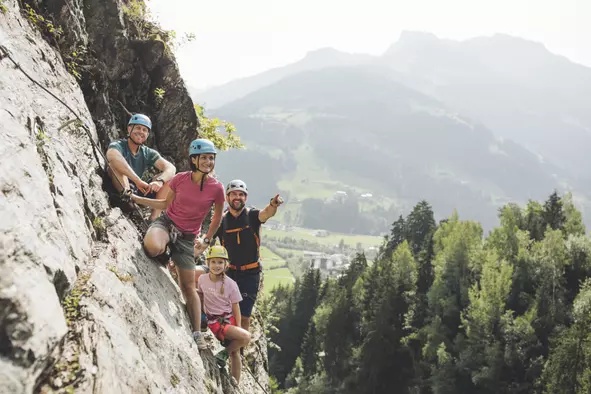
pixel 130 160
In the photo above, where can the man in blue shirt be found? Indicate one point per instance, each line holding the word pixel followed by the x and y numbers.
pixel 130 160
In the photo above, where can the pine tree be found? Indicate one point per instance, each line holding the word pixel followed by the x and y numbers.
pixel 309 353
pixel 279 360
pixel 549 301
pixel 420 226
pixel 516 340
pixel 397 236
pixel 578 267
pixel 456 245
pixel 569 366
pixel 553 213
pixel 340 319
pixel 294 324
pixel 385 362
pixel 535 221
pixel 573 220
pixel 482 320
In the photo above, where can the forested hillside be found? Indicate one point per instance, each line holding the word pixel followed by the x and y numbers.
pixel 445 310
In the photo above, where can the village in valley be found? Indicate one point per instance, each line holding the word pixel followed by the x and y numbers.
pixel 288 251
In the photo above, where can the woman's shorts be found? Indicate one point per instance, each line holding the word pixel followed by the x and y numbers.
pixel 182 252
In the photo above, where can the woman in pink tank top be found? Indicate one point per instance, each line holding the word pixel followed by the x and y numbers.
pixel 191 196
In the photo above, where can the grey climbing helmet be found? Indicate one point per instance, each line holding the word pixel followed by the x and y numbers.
pixel 236 185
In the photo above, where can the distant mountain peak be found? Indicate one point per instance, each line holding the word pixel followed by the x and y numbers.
pixel 413 40
pixel 326 51
pixel 417 40
pixel 413 36
pixel 510 45
pixel 328 56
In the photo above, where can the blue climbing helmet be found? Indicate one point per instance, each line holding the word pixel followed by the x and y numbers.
pixel 201 145
pixel 140 119
pixel 198 147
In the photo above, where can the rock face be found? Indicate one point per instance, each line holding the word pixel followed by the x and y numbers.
pixel 123 60
pixel 81 307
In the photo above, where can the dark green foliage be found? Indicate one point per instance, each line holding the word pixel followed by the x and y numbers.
pixel 553 213
pixel 340 322
pixel 443 310
pixel 310 352
pixel 392 302
pixel 569 367
pixel 296 311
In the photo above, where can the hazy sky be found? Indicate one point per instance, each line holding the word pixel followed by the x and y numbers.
pixel 239 38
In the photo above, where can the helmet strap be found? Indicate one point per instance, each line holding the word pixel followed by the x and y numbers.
pixel 202 180
pixel 203 172
pixel 129 137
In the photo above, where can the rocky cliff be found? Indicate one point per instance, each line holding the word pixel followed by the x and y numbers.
pixel 81 307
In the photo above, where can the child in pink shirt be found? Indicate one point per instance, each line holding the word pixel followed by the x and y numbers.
pixel 220 297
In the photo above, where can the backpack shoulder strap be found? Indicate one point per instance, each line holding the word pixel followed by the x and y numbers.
pixel 223 228
pixel 247 217
pixel 256 237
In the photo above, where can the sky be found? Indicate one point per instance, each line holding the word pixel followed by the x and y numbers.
pixel 240 38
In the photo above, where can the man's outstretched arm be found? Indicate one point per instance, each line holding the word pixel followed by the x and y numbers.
pixel 271 209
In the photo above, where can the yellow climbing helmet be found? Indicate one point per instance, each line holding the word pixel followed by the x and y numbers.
pixel 217 251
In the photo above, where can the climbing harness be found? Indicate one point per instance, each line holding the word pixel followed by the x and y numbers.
pixel 6 53
pixel 223 320
pixel 238 230
pixel 243 270
pixel 174 233
pixel 245 267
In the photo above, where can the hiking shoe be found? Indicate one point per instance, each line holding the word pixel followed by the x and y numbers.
pixel 221 357
pixel 203 322
pixel 199 340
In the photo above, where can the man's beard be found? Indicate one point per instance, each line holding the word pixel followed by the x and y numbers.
pixel 240 205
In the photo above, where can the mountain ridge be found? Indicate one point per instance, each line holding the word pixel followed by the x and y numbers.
pixel 410 142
